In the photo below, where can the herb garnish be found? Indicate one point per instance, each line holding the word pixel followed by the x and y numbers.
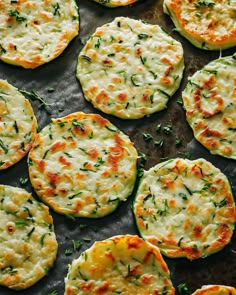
pixel 16 14
pixel 182 288
pixel 34 96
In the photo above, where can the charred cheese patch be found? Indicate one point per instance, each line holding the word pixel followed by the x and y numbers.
pixel 34 32
pixel 210 103
pixel 17 125
pixel 119 265
pixel 115 3
pixel 130 69
pixel 186 208
pixel 28 245
pixel 215 290
pixel 82 165
pixel 207 24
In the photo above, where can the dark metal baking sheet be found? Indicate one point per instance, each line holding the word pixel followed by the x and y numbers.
pixel 59 74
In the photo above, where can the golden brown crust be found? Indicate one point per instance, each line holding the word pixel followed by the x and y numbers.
pixel 207 24
pixel 35 32
pixel 80 162
pixel 215 290
pixel 179 208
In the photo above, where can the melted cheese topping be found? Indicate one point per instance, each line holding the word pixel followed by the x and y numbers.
pixel 186 208
pixel 82 165
pixel 120 265
pixel 17 125
pixel 115 3
pixel 210 103
pixel 215 290
pixel 28 245
pixel 207 24
pixel 34 32
pixel 130 69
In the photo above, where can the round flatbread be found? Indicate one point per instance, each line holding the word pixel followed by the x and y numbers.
pixel 207 24
pixel 18 125
pixel 34 32
pixel 82 165
pixel 215 290
pixel 210 102
pixel 129 68
pixel 115 3
pixel 119 265
pixel 186 208
pixel 28 245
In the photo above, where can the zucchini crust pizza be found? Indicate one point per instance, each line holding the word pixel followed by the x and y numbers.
pixel 82 165
pixel 186 208
pixel 35 32
pixel 28 245
pixel 18 125
pixel 129 68
pixel 122 264
pixel 210 102
pixel 207 24
pixel 215 290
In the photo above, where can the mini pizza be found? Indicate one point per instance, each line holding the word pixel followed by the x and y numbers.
pixel 207 24
pixel 215 290
pixel 18 125
pixel 28 245
pixel 129 68
pixel 115 3
pixel 186 208
pixel 35 32
pixel 119 265
pixel 82 165
pixel 210 102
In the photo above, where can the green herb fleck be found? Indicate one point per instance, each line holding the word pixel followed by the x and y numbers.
pixel 86 58
pixel 178 141
pixel 143 36
pixel 2 49
pixel 3 147
pixel 23 181
pixel 16 14
pixel 147 136
pixel 204 3
pixel 68 252
pixel 195 247
pixel 182 288
pixel 16 127
pixel 34 96
pixel 43 237
pixel 56 8
pixel 78 124
pixel 159 142
pixel 221 204
pixel 134 81
pixel 167 129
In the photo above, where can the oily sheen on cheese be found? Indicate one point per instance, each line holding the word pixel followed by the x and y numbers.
pixel 34 32
pixel 17 125
pixel 119 265
pixel 129 68
pixel 207 24
pixel 215 290
pixel 186 208
pixel 82 165
pixel 28 245
pixel 210 102
pixel 115 3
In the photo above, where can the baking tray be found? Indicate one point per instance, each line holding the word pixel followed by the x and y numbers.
pixel 67 97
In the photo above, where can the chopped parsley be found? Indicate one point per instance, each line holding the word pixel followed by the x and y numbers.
pixel 16 14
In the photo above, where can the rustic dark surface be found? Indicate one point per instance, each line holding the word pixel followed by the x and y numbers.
pixel 59 74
